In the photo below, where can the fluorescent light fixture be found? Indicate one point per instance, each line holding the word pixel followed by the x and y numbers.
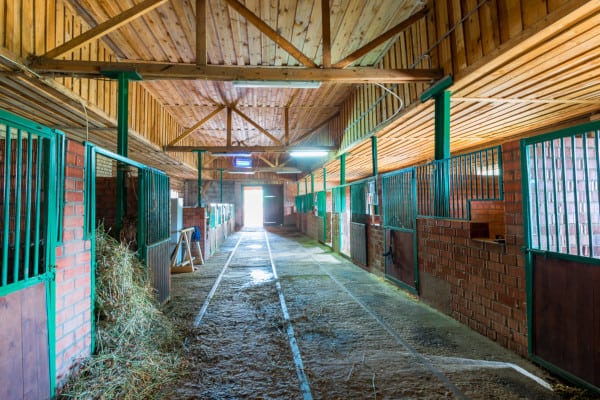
pixel 288 172
pixel 308 153
pixel 278 84
pixel 240 172
pixel 242 162
pixel 232 154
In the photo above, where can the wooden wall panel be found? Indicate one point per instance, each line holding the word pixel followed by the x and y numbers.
pixel 33 27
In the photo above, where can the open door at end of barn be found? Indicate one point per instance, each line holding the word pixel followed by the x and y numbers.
pixel 561 200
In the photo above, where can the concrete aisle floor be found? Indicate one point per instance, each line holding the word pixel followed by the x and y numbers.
pixel 354 335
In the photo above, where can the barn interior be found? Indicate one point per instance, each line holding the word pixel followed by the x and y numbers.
pixel 449 148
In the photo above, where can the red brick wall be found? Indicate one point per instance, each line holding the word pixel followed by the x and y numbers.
pixel 491 212
pixel 195 216
pixel 73 272
pixel 106 200
pixel 486 281
pixel 312 226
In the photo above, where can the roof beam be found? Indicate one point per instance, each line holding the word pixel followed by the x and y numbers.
pixel 257 126
pixel 201 32
pixel 271 33
pixel 180 71
pixel 249 149
pixel 380 39
pixel 197 125
pixel 307 134
pixel 105 28
pixel 326 22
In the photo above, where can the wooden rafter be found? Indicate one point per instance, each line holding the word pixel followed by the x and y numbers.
pixel 380 39
pixel 266 161
pixel 326 22
pixel 307 134
pixel 257 126
pixel 286 118
pixel 271 33
pixel 105 28
pixel 191 129
pixel 180 71
pixel 249 149
pixel 201 32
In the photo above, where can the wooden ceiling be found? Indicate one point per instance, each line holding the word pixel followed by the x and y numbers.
pixel 280 38
pixel 531 74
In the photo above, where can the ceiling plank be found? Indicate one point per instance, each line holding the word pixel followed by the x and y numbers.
pixel 191 129
pixel 271 33
pixel 326 22
pixel 307 134
pixel 380 39
pixel 249 149
pixel 181 71
pixel 105 28
pixel 257 126
pixel 201 32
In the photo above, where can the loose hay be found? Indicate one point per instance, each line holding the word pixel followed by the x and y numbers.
pixel 136 345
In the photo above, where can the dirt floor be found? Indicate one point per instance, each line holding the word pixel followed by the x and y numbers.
pixel 357 336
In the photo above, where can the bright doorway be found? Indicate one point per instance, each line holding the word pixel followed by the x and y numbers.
pixel 253 206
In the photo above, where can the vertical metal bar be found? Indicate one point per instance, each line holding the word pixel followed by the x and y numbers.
pixel 545 182
pixel 587 193
pixel 442 125
pixel 343 169
pixel 480 173
pixel 564 185
pixel 18 195
pixel 471 179
pixel 487 175
pixel 221 185
pixel 575 195
pixel 122 144
pixel 494 194
pixel 6 214
pixel 537 200
pixel 555 189
pixel 597 152
pixel 312 182
pixel 374 155
pixel 38 200
pixel 28 180
pixel 199 194
pixel 143 207
pixel 500 175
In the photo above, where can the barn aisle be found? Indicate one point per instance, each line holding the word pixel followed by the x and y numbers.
pixel 275 315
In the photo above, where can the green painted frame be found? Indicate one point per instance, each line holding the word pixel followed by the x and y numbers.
pixel 54 166
pixel 529 251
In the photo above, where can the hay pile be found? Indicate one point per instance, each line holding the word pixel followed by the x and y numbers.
pixel 136 345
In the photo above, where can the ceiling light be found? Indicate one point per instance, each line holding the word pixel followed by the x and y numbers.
pixel 278 84
pixel 232 154
pixel 242 162
pixel 241 172
pixel 308 153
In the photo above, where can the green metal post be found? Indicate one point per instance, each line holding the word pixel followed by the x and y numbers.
pixel 343 169
pixel 221 185
pixel 374 154
pixel 199 153
pixel 442 142
pixel 325 211
pixel 312 182
pixel 122 143
pixel 123 78
pixel 305 186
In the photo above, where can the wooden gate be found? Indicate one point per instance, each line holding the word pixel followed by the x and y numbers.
pixel 400 223
pixel 560 174
pixel 32 171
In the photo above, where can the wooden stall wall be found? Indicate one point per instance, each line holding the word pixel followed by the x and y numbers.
pixel 33 27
